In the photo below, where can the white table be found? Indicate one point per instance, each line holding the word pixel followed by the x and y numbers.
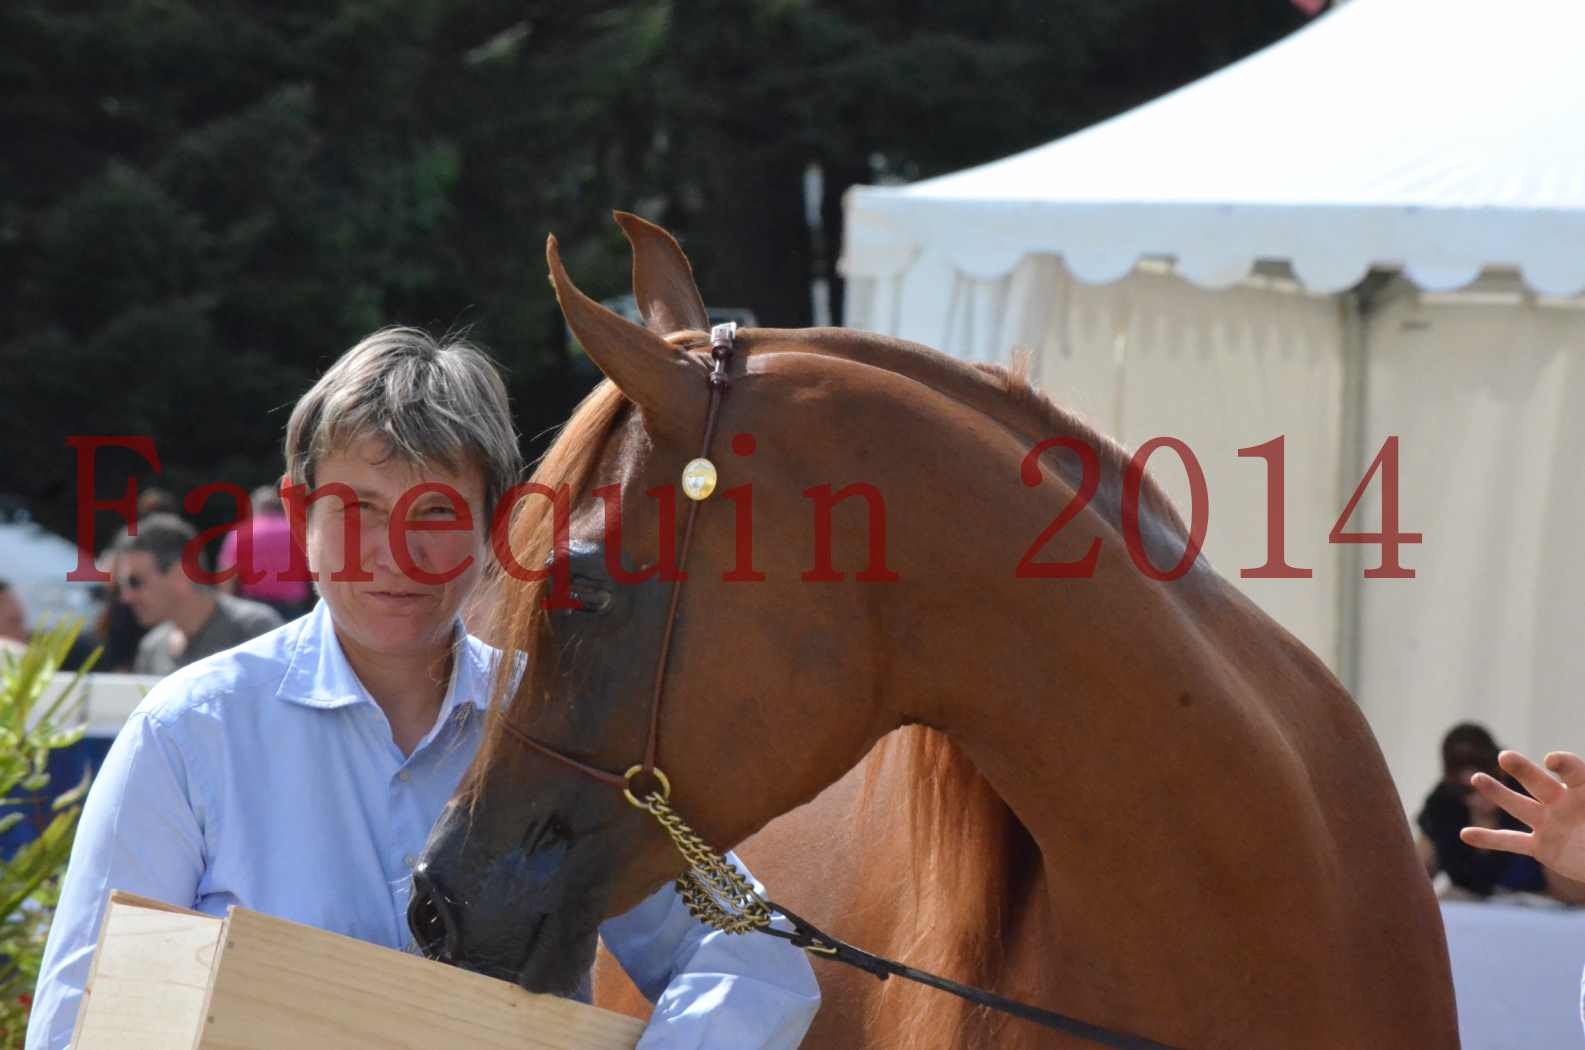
pixel 107 698
pixel 1517 974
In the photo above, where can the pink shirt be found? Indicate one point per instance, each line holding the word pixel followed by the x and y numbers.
pixel 272 552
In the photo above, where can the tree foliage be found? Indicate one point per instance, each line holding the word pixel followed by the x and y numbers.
pixel 34 707
pixel 201 205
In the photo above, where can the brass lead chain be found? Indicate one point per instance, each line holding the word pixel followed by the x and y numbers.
pixel 714 891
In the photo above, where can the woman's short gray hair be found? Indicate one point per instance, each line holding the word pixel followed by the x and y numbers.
pixel 430 401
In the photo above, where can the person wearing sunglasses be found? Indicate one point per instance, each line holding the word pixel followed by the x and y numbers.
pixel 187 620
pixel 300 773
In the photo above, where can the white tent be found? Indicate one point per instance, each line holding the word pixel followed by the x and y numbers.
pixel 1373 228
pixel 36 563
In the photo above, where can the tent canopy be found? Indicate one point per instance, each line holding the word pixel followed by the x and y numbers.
pixel 1439 137
pixel 36 563
pixel 1434 138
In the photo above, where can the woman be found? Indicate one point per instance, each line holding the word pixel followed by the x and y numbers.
pixel 1468 749
pixel 299 774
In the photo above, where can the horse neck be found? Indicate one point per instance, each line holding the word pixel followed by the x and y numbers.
pixel 1042 681
pixel 1027 680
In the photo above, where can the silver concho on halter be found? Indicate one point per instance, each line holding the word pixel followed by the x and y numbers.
pixel 699 476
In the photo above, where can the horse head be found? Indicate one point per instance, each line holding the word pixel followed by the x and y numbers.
pixel 779 667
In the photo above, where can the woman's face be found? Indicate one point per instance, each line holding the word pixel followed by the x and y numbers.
pixel 419 536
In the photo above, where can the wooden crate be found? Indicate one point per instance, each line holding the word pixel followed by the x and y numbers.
pixel 166 978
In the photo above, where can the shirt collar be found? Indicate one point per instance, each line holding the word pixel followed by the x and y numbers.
pixel 318 674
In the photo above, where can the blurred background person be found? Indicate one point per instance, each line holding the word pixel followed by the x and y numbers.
pixel 155 500
pixel 117 628
pixel 1552 814
pixel 187 620
pixel 1453 804
pixel 272 555
pixel 15 635
pixel 13 621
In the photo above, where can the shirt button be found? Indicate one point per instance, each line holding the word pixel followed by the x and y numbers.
pixel 404 776
pixel 409 860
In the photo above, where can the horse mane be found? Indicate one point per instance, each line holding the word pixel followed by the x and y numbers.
pixel 974 862
pixel 972 867
pixel 1033 405
pixel 520 623
pixel 1000 392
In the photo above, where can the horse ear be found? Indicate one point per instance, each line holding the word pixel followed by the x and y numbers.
pixel 649 370
pixel 668 299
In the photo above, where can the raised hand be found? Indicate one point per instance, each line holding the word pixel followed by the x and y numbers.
pixel 1554 811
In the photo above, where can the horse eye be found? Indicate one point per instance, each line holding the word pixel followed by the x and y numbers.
pixel 593 599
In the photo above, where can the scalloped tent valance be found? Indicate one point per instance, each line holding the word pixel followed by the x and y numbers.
pixel 1439 138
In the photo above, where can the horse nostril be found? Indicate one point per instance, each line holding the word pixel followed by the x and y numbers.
pixel 430 917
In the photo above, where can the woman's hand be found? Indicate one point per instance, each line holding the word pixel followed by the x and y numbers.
pixel 1555 813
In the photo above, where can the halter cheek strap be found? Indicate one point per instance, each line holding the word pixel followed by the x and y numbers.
pixel 698 482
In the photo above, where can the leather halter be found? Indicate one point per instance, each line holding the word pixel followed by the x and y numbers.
pixel 722 338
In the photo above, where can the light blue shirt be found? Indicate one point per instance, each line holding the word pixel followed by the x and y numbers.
pixel 266 776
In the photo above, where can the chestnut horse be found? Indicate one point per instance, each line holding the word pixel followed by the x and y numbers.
pixel 1137 801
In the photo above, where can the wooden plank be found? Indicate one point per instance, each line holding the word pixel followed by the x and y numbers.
pixel 149 976
pixel 134 900
pixel 280 984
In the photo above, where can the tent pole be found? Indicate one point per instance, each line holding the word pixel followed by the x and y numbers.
pixel 1350 566
pixel 1357 305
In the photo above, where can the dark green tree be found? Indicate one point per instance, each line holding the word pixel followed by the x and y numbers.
pixel 201 205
